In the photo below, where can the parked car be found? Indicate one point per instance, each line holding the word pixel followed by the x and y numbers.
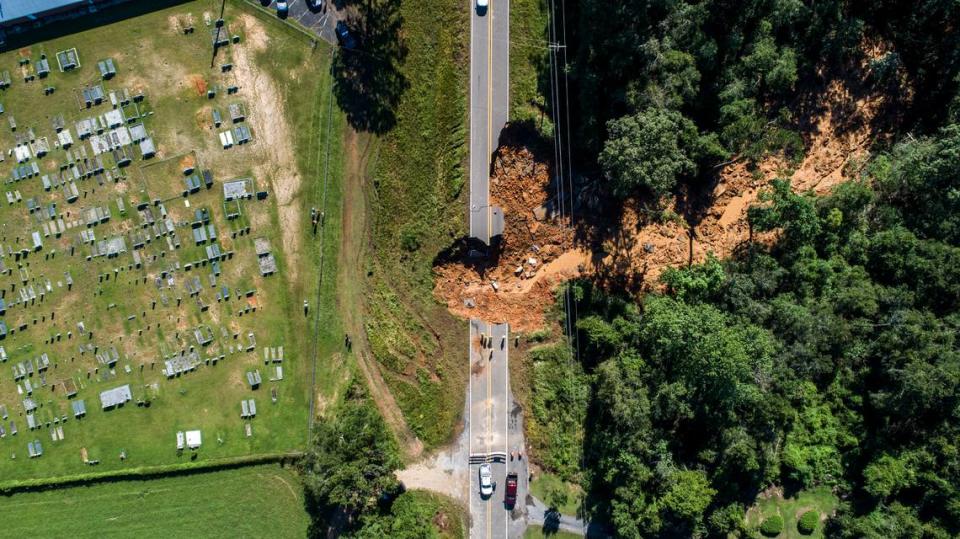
pixel 510 493
pixel 344 36
pixel 282 8
pixel 315 5
pixel 486 480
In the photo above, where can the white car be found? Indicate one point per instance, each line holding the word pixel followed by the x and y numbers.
pixel 486 480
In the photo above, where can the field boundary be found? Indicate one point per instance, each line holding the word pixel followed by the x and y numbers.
pixel 8 488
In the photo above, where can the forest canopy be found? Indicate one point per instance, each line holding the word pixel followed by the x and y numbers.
pixel 830 359
pixel 826 356
pixel 727 77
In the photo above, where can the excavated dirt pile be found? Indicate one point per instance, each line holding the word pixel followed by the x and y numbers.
pixel 535 252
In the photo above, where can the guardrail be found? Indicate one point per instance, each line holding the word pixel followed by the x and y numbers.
pixel 494 456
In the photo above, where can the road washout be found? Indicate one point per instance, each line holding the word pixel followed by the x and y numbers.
pixel 629 252
pixel 535 254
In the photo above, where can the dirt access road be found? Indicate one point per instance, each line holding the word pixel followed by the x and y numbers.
pixel 358 149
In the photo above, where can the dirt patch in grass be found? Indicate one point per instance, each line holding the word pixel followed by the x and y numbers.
pixel 255 34
pixel 267 115
pixel 188 161
pixel 199 84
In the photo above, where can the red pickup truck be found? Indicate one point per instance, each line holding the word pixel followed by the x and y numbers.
pixel 510 494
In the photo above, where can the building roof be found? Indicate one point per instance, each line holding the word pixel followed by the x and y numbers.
pixel 79 407
pixel 193 439
pixel 11 10
pixel 115 396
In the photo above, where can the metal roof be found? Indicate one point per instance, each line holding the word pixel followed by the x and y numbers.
pixel 11 10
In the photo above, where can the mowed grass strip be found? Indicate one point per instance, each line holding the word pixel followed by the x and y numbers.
pixel 259 501
pixel 819 499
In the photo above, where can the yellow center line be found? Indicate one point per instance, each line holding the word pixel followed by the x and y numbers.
pixel 489 370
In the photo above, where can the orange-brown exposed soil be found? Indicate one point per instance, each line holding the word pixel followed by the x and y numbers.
pixel 536 252
pixel 539 251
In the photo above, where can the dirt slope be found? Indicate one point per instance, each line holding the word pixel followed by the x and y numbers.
pixel 539 250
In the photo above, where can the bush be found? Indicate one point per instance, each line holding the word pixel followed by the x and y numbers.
pixel 808 522
pixel 773 526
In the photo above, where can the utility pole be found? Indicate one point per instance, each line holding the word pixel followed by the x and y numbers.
pixel 216 40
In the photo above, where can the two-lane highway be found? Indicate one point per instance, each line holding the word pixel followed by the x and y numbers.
pixel 489 408
pixel 489 108
pixel 490 404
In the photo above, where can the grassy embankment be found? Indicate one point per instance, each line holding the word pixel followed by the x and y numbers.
pixel 529 64
pixel 418 210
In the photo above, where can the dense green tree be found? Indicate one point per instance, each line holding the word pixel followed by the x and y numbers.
pixel 812 453
pixel 406 517
pixel 922 180
pixel 650 150
pixel 350 465
pixel 887 475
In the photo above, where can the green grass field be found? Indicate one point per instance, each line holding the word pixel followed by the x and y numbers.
pixel 536 532
pixel 417 212
pixel 820 499
pixel 546 485
pixel 259 501
pixel 283 82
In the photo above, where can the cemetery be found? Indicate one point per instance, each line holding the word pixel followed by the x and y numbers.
pixel 146 285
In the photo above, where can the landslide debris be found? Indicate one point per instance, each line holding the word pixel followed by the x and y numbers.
pixel 843 117
pixel 535 253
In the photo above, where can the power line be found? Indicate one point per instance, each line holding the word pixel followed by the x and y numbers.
pixel 566 98
pixel 559 140
pixel 323 209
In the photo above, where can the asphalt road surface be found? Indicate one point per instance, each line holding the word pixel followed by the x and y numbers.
pixel 489 107
pixel 489 407
pixel 320 22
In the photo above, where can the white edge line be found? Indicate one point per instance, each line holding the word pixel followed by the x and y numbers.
pixel 506 363
pixel 470 141
pixel 469 423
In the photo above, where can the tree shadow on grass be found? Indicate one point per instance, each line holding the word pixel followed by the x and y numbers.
pixel 368 82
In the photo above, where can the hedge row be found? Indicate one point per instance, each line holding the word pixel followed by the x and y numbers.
pixel 146 472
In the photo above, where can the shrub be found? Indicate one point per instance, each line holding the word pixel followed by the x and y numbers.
pixel 772 526
pixel 808 522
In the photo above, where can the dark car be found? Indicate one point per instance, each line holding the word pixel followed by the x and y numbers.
pixel 510 493
pixel 315 5
pixel 344 36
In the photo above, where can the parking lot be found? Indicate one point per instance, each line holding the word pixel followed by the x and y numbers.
pixel 320 22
